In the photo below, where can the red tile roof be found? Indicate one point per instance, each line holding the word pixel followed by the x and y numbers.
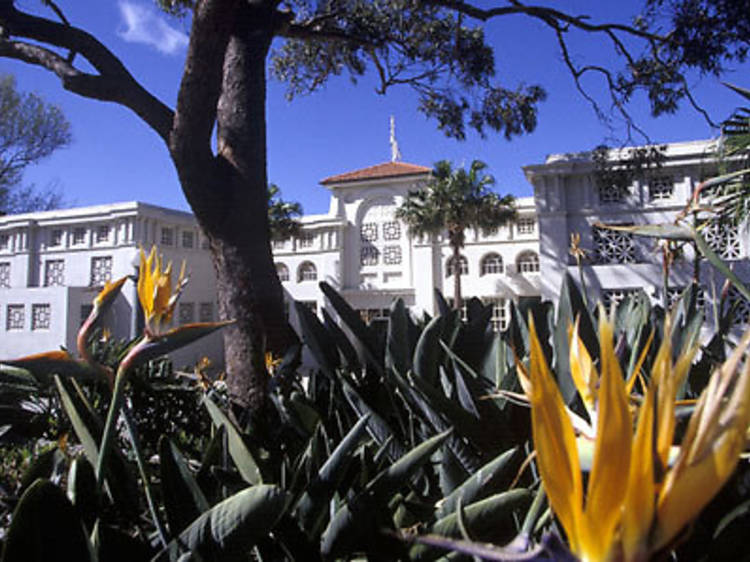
pixel 384 170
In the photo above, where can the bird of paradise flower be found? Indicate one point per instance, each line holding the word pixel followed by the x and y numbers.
pixel 632 517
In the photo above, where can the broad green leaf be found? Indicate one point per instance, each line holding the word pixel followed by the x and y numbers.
pixel 719 264
pixel 343 343
pixel 45 526
pixel 489 520
pixel 230 529
pixel 352 525
pixel 427 353
pixel 377 427
pixel 175 338
pixel 183 499
pixel 398 354
pixel 312 506
pixel 82 489
pixel 317 339
pixel 88 428
pixel 485 481
pixel 237 449
pixel 354 322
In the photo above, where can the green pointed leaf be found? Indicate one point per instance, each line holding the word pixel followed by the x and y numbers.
pixel 343 343
pixel 45 526
pixel 354 322
pixel 183 499
pixel 427 353
pixel 352 525
pixel 317 339
pixel 237 449
pixel 489 520
pixel 82 489
pixel 377 427
pixel 398 354
pixel 174 339
pixel 719 264
pixel 489 479
pixel 313 505
pixel 230 529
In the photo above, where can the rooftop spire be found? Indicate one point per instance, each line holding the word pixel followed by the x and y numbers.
pixel 395 152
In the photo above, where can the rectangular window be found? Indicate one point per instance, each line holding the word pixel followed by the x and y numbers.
pixel 54 273
pixel 188 239
pixel 186 312
pixel 167 236
pixel 499 318
pixel 206 312
pixel 14 318
pixel 526 225
pixel 101 270
pixel 660 188
pixel 306 240
pixel 56 237
pixel 102 233
pixel 723 237
pixel 5 274
pixel 279 244
pixel 4 241
pixel 612 193
pixel 40 316
pixel 79 236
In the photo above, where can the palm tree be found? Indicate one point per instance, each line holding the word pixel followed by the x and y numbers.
pixel 453 201
pixel 282 215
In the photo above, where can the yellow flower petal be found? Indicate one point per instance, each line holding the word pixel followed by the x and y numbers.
pixel 582 369
pixel 710 449
pixel 640 499
pixel 607 486
pixel 555 444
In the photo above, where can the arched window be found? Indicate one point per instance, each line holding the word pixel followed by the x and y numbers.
pixel 491 263
pixel 528 262
pixel 463 266
pixel 307 272
pixel 282 271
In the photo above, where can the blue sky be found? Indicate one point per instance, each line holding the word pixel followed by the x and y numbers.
pixel 115 157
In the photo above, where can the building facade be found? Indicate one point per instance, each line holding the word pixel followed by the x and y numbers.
pixel 369 256
pixel 571 199
pixel 53 263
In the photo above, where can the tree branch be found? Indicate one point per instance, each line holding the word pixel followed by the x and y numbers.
pixel 113 83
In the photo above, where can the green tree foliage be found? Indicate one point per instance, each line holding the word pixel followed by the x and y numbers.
pixel 30 130
pixel 282 215
pixel 454 201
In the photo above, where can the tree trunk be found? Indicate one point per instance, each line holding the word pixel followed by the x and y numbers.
pixel 456 276
pixel 231 206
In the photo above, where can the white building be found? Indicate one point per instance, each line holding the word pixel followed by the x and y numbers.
pixel 569 200
pixel 53 263
pixel 359 248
